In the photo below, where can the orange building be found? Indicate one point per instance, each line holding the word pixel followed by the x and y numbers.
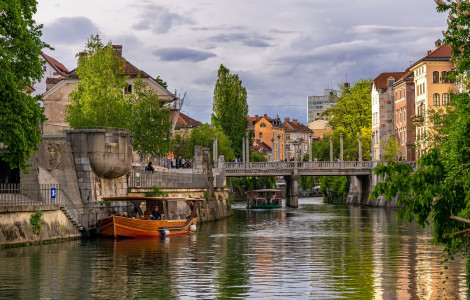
pixel 270 132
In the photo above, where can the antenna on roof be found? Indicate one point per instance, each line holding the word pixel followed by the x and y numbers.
pixel 346 84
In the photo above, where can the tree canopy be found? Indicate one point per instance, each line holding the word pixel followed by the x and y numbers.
pixel 353 110
pixel 204 135
pixel 230 108
pixel 103 99
pixel 20 65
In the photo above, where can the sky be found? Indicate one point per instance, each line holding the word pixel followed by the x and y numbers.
pixel 282 50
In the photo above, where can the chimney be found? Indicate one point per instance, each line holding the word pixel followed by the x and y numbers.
pixel 118 50
pixel 286 119
pixel 295 120
pixel 438 43
pixel 256 116
pixel 82 54
pixel 265 115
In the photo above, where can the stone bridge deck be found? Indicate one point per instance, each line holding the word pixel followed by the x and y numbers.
pixel 317 168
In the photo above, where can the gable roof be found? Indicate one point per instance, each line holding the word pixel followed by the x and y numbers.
pixel 128 70
pixel 186 121
pixel 295 125
pixel 60 68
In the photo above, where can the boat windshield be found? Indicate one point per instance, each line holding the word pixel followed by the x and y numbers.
pixel 178 210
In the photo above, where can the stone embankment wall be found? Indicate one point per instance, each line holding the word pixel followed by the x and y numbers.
pixel 15 228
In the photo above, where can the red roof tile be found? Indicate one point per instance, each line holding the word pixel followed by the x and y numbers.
pixel 295 125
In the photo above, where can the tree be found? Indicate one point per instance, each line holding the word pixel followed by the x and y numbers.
pixel 204 136
pixel 20 65
pixel 353 111
pixel 438 191
pixel 150 123
pixel 230 109
pixel 100 100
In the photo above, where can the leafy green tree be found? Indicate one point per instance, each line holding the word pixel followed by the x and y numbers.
pixel 391 148
pixel 20 65
pixel 204 136
pixel 100 101
pixel 230 108
pixel 181 145
pixel 353 111
pixel 438 191
pixel 150 124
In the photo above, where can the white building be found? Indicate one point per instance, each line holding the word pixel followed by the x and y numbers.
pixel 382 110
pixel 52 69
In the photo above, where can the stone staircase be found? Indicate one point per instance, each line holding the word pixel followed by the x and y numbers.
pixel 72 219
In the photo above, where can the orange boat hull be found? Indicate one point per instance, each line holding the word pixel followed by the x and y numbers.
pixel 116 226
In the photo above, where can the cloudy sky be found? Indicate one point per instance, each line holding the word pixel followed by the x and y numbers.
pixel 282 50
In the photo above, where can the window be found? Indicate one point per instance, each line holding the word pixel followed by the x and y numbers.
pixel 444 75
pixel 435 77
pixel 44 68
pixel 445 99
pixel 287 136
pixel 404 113
pixel 436 101
pixel 128 89
pixel 260 134
pixel 401 116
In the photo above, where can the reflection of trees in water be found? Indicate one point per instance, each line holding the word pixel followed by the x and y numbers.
pixel 350 252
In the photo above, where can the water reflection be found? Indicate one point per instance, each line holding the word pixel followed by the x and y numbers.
pixel 318 251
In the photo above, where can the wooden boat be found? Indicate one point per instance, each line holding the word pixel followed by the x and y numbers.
pixel 264 198
pixel 179 217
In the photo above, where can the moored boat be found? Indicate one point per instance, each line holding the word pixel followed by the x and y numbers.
pixel 179 216
pixel 264 198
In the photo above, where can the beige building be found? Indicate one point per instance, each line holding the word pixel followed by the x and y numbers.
pixel 56 97
pixel 431 90
pixel 320 128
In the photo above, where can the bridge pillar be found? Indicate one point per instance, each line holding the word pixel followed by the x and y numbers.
pixel 214 150
pixel 243 150
pixel 292 190
pixel 309 148
pixel 341 145
pixel 247 144
pixel 331 148
pixel 360 146
pixel 272 149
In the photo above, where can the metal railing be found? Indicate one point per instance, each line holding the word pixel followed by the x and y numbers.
pixel 16 194
pixel 281 165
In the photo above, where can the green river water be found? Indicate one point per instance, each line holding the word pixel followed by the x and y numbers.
pixel 318 251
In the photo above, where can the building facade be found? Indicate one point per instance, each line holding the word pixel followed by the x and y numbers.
pixel 431 91
pixel 318 104
pixel 404 110
pixel 382 97
pixel 296 132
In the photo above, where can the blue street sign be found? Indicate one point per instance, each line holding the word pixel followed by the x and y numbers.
pixel 53 193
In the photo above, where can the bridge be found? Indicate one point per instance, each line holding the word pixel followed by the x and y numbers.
pixel 306 168
pixel 291 171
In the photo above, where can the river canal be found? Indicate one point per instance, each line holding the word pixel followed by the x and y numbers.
pixel 318 251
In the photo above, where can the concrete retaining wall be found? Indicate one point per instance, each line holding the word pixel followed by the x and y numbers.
pixel 15 228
